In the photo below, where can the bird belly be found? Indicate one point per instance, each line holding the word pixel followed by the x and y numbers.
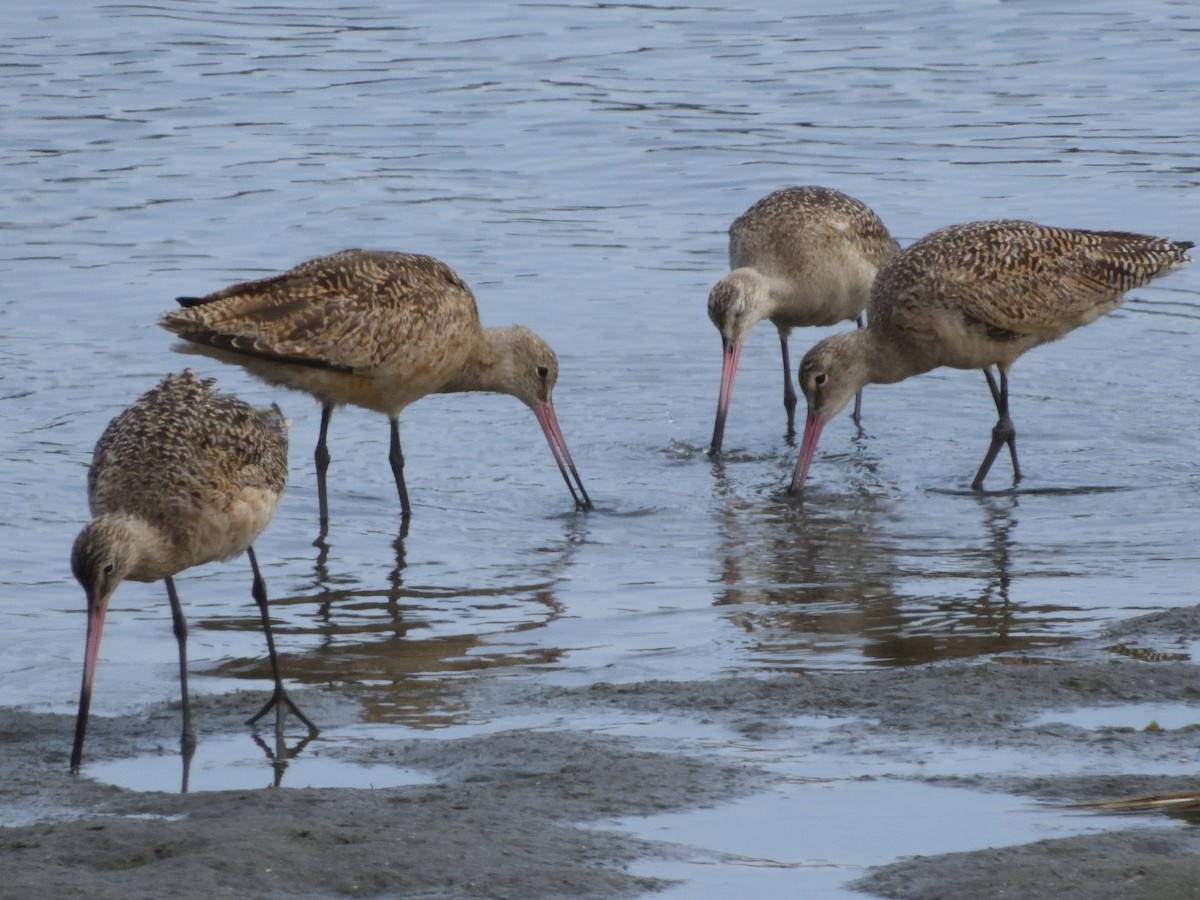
pixel 216 533
pixel 975 348
pixel 332 387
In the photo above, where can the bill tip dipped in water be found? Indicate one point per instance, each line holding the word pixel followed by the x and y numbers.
pixel 808 447
pixel 544 412
pixel 730 354
pixel 97 607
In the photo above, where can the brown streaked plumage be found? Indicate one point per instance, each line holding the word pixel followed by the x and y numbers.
pixel 183 477
pixel 375 329
pixel 976 296
pixel 799 256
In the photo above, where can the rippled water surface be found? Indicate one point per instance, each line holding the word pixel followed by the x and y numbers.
pixel 578 164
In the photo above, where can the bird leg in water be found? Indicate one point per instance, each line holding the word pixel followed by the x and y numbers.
pixel 280 700
pixel 396 458
pixel 1003 433
pixel 789 390
pixel 321 456
pixel 857 414
pixel 187 742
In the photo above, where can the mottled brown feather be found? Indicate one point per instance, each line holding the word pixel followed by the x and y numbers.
pixel 357 310
pixel 184 452
pixel 800 256
pixel 981 294
pixel 975 296
pixel 1019 278
pixel 784 231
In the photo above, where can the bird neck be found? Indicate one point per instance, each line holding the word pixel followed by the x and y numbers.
pixel 489 368
pixel 886 361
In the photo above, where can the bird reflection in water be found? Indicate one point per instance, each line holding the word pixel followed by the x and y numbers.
pixel 399 649
pixel 852 579
pixel 281 754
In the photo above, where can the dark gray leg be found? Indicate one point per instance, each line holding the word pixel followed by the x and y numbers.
pixel 280 701
pixel 789 390
pixel 1004 432
pixel 187 742
pixel 322 459
pixel 857 416
pixel 396 458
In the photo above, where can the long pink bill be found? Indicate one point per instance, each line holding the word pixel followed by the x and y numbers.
pixel 562 456
pixel 808 446
pixel 731 352
pixel 91 653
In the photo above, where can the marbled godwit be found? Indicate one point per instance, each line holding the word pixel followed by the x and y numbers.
pixel 976 296
pixel 378 330
pixel 799 256
pixel 184 476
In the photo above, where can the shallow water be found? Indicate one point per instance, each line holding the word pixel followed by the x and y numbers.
pixel 578 165
pixel 734 853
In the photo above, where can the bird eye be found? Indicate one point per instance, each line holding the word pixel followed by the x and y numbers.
pixel 543 371
pixel 108 568
pixel 819 379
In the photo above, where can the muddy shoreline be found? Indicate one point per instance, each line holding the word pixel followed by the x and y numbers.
pixel 521 814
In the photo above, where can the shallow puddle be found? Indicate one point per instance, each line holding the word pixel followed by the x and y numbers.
pixel 808 839
pixel 244 762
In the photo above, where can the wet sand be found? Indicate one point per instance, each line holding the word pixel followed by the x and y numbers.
pixel 515 814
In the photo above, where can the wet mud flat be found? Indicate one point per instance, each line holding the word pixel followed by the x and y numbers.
pixel 523 813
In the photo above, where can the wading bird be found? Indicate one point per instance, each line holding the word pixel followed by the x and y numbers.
pixel 379 330
pixel 183 477
pixel 971 297
pixel 799 256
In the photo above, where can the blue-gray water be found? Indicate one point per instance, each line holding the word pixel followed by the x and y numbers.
pixel 578 164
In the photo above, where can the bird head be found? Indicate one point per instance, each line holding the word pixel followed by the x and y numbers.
pixel 524 365
pixel 736 303
pixel 831 373
pixel 100 561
